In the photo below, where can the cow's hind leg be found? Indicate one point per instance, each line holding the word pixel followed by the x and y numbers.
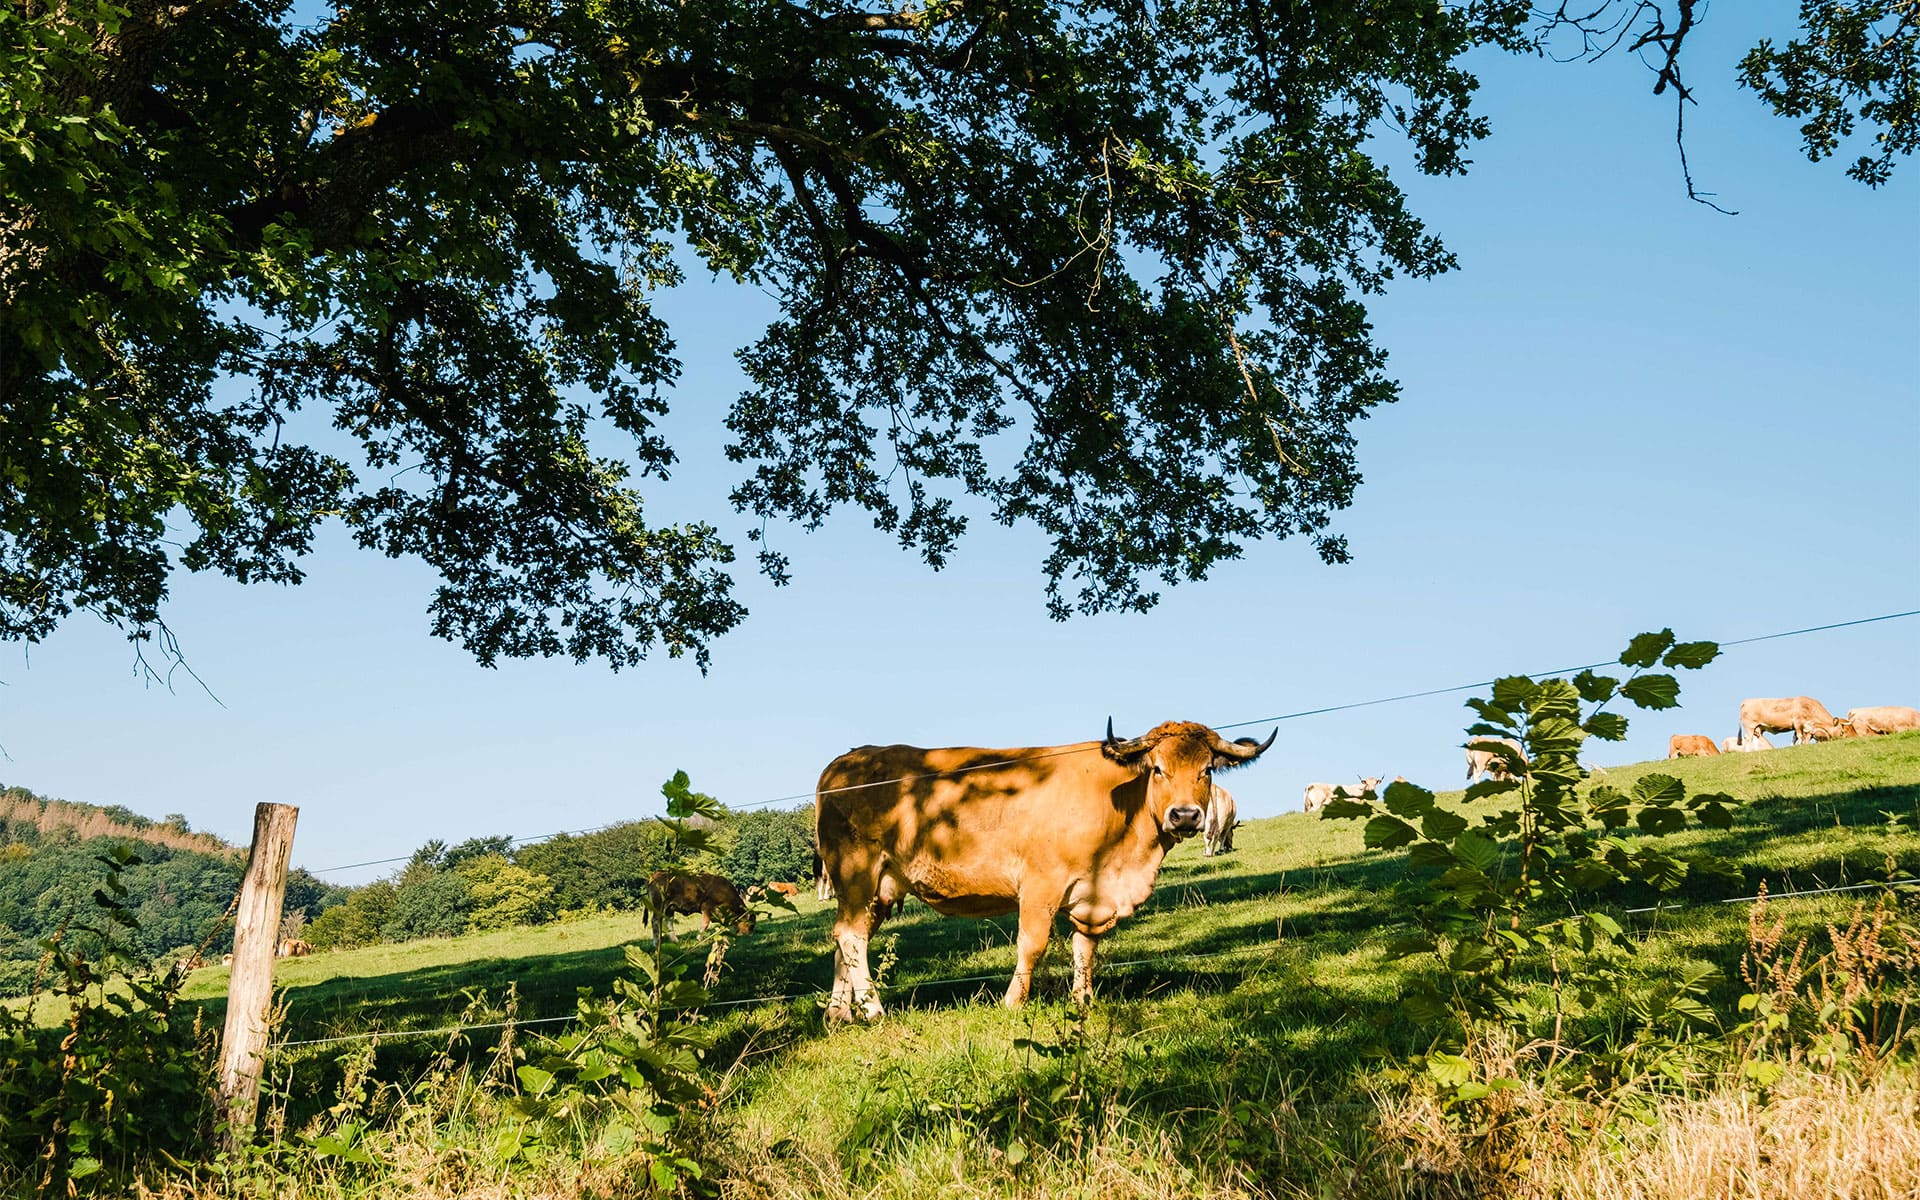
pixel 1036 926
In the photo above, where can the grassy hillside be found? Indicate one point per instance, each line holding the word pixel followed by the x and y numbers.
pixel 1811 816
pixel 1236 1043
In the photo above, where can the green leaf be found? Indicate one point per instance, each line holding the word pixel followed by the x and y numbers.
pixel 1406 800
pixel 1513 692
pixel 1471 1090
pixel 1611 727
pixel 1652 691
pixel 1658 820
pixel 1691 655
pixel 1692 1009
pixel 1662 871
pixel 1594 688
pixel 1423 1004
pixel 1490 787
pixel 1340 809
pixel 536 1081
pixel 1441 825
pixel 1410 944
pixel 1449 1070
pixel 1477 850
pixel 1554 698
pixel 1658 789
pixel 1387 833
pixel 1606 924
pixel 1493 714
pixel 1430 854
pixel 1646 649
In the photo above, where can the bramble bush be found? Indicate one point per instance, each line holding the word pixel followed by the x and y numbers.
pixel 86 1107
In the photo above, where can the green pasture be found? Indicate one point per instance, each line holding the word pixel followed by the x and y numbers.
pixel 1295 889
pixel 1243 1023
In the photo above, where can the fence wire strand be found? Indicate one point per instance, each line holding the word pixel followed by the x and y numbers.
pixel 995 976
pixel 1055 752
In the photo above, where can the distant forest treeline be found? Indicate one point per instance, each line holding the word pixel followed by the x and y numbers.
pixel 185 880
pixel 178 891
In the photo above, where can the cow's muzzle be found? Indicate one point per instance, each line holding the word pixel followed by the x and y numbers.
pixel 1186 818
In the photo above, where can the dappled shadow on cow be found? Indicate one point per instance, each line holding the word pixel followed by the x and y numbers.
pixel 1082 827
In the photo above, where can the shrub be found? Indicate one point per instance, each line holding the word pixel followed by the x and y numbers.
pixel 504 895
pixel 770 846
pixel 431 904
pixel 357 921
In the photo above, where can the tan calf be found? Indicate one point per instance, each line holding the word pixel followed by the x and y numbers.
pixel 1691 745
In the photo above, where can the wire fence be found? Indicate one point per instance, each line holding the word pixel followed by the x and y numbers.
pixel 1126 964
pixel 797 797
pixel 995 976
pixel 774 998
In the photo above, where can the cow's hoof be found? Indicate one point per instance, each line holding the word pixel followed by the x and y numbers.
pixel 871 1011
pixel 839 1013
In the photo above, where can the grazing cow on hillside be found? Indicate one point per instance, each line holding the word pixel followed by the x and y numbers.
pixel 977 832
pixel 1483 760
pixel 1739 745
pixel 789 890
pixel 1319 795
pixel 1800 715
pixel 293 948
pixel 1882 718
pixel 703 893
pixel 1691 745
pixel 1222 815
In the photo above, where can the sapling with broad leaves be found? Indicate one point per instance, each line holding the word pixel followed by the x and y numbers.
pixel 1511 901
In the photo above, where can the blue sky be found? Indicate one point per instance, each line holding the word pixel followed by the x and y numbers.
pixel 1623 412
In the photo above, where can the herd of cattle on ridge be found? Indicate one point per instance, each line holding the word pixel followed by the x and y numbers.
pixel 1080 829
pixel 1803 716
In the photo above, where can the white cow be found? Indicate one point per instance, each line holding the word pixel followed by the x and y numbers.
pixel 1739 745
pixel 1222 815
pixel 1319 795
pixel 1490 762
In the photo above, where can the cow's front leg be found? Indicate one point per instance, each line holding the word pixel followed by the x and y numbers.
pixel 1036 926
pixel 1083 951
pixel 852 982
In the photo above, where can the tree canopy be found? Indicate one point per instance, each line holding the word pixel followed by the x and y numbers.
pixel 1099 269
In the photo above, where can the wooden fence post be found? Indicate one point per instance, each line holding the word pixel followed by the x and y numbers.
pixel 256 936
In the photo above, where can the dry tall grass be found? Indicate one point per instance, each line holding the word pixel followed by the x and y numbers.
pixel 1818 1137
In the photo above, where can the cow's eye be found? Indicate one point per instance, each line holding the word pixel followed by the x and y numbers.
pixel 1157 770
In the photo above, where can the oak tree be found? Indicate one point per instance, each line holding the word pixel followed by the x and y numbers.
pixel 1100 269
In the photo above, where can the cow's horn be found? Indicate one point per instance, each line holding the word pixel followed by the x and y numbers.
pixel 1244 749
pixel 1119 748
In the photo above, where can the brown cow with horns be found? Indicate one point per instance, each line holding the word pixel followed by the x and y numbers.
pixel 977 833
